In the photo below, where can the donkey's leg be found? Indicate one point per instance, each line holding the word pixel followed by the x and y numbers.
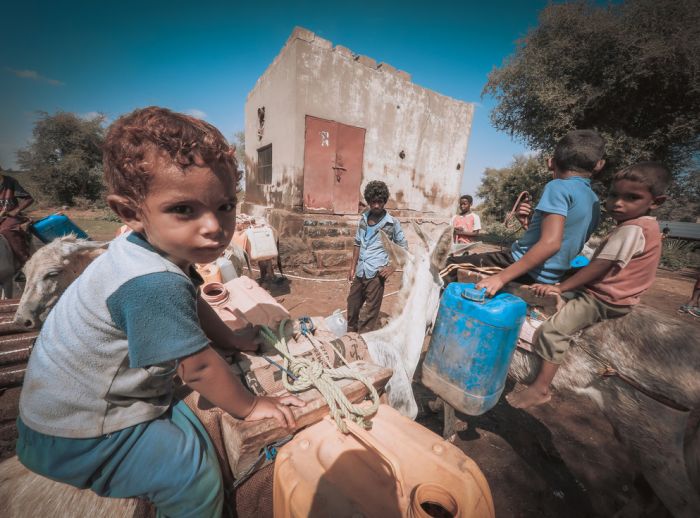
pixel 654 433
pixel 7 288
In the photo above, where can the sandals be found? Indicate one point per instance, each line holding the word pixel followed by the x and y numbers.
pixel 691 310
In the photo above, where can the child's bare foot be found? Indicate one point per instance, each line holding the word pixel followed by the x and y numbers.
pixel 528 397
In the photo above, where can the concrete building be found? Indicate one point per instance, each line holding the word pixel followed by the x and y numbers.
pixel 322 121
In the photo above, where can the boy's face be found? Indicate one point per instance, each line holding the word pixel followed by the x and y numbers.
pixel 628 199
pixel 188 216
pixel 464 206
pixel 376 206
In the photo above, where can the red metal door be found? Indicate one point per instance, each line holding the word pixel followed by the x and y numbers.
pixel 349 153
pixel 333 156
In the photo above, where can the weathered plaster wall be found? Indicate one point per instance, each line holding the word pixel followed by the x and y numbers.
pixel 331 83
pixel 276 91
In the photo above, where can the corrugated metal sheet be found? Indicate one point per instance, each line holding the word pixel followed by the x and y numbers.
pixel 681 229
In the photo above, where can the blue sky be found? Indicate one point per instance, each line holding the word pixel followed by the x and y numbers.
pixel 203 57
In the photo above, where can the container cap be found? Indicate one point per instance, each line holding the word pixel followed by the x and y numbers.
pixel 472 293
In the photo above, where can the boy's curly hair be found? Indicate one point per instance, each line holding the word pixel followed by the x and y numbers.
pixel 654 175
pixel 376 189
pixel 132 137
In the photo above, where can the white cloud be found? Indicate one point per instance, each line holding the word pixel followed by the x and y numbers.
pixel 88 116
pixel 35 76
pixel 194 112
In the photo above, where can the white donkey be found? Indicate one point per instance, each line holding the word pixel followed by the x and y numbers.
pixel 398 345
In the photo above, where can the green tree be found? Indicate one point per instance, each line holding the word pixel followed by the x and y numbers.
pixel 239 141
pixel 65 156
pixel 629 70
pixel 500 187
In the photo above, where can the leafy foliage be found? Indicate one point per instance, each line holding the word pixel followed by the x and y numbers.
pixel 500 187
pixel 629 70
pixel 677 254
pixel 65 157
pixel 684 198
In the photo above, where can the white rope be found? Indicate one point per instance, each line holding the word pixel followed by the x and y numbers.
pixel 385 296
pixel 310 373
pixel 292 276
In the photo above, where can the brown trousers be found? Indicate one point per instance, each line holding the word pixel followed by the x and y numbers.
pixel 370 293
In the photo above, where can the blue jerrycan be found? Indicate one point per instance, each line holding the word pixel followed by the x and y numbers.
pixel 56 225
pixel 471 347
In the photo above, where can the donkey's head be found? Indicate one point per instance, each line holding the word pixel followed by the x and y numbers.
pixel 49 272
pixel 421 270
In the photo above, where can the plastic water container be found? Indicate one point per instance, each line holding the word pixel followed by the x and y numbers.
pixel 241 302
pixel 209 272
pixel 397 469
pixel 261 244
pixel 56 225
pixel 337 324
pixel 471 347
pixel 227 270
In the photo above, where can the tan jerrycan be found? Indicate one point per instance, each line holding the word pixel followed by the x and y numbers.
pixel 397 469
pixel 241 302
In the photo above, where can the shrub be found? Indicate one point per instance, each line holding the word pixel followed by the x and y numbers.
pixel 677 254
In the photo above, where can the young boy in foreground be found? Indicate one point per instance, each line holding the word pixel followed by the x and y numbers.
pixel 96 408
pixel 622 269
pixel 565 217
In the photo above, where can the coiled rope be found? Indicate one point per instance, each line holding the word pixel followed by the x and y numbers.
pixel 310 373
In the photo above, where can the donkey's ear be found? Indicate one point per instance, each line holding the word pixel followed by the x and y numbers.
pixel 421 235
pixel 76 246
pixel 442 248
pixel 397 254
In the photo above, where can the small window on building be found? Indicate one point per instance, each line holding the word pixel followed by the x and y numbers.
pixel 265 164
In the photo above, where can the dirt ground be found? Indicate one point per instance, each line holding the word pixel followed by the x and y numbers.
pixel 560 459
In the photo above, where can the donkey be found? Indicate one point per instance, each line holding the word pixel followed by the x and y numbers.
pixel 49 272
pixel 642 372
pixel 398 345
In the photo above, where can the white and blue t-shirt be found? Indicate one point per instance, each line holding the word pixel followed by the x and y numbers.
pixel 107 354
pixel 574 199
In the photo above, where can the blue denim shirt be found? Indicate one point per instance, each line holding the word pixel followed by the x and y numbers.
pixel 373 257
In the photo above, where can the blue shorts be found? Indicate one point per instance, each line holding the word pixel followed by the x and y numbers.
pixel 170 461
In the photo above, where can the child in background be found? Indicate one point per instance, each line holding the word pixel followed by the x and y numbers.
pixel 565 217
pixel 466 224
pixel 370 266
pixel 96 407
pixel 621 270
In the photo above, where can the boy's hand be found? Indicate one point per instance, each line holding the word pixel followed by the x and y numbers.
pixel 492 284
pixel 522 213
pixel 545 289
pixel 277 408
pixel 386 271
pixel 248 339
pixel 351 274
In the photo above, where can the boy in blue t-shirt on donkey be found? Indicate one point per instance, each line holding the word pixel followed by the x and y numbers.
pixel 565 217
pixel 96 408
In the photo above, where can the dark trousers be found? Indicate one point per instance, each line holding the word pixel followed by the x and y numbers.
pixel 369 292
pixel 487 259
